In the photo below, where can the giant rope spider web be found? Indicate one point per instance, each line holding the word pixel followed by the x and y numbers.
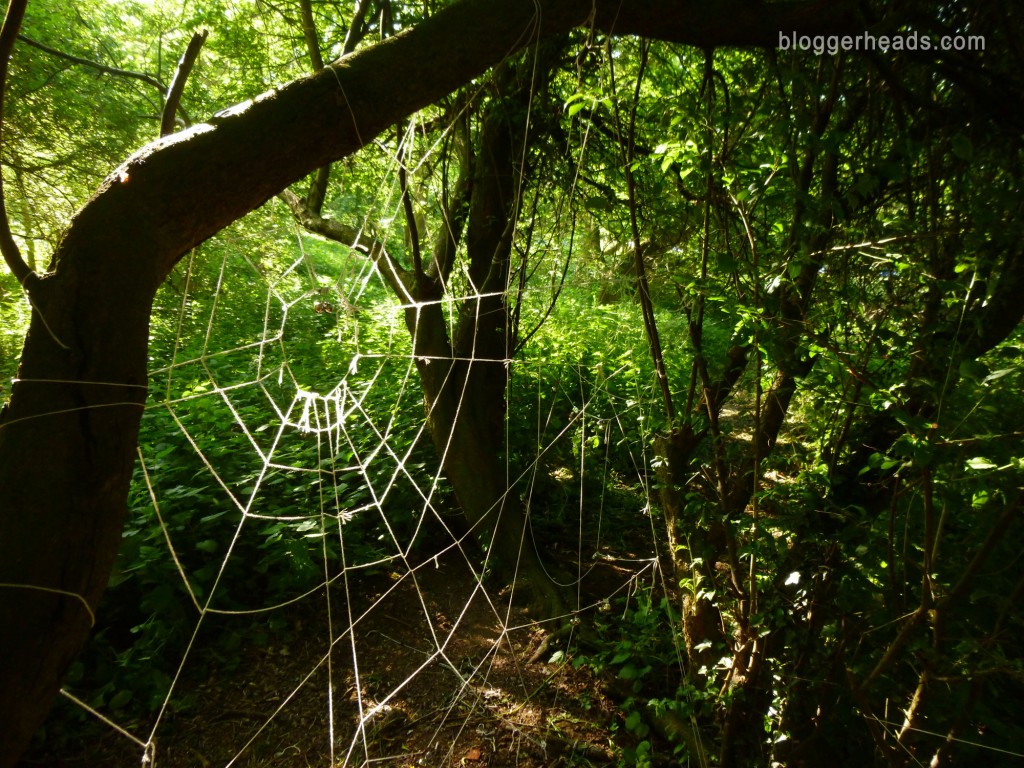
pixel 309 477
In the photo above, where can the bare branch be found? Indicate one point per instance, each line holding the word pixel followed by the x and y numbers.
pixel 140 76
pixel 410 217
pixel 355 29
pixel 12 23
pixel 188 60
pixel 398 278
pixel 312 38
pixel 318 188
pixel 455 211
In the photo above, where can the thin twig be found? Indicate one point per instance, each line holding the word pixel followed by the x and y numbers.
pixel 9 33
pixel 188 59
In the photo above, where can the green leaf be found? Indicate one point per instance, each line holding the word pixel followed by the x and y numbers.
pixel 980 462
pixel 634 722
pixel 120 699
pixel 973 369
pixel 998 374
pixel 962 147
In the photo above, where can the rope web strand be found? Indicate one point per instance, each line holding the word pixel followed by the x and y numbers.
pixel 298 583
pixel 294 485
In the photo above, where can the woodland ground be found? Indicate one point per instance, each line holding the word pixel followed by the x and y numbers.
pixel 493 698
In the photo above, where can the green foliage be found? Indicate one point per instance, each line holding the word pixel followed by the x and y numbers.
pixel 833 257
pixel 14 317
pixel 250 494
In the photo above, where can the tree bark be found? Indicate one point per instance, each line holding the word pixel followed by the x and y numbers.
pixel 68 435
pixel 465 377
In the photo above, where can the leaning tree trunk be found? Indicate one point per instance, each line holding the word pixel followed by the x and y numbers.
pixel 67 447
pixel 465 402
pixel 465 376
pixel 68 435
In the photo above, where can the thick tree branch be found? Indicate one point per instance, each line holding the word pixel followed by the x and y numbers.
pixel 251 152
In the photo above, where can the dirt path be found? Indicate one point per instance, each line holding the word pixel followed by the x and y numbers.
pixel 434 674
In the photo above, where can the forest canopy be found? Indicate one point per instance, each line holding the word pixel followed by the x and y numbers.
pixel 665 354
